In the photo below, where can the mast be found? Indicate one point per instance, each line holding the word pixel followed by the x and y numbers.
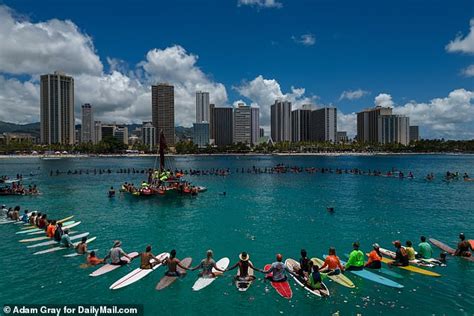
pixel 162 150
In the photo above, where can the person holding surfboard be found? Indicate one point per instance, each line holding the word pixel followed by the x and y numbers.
pixel 278 270
pixel 206 265
pixel 173 263
pixel 464 247
pixel 244 264
pixel 115 254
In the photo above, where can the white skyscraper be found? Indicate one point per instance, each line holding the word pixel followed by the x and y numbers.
pixel 202 106
pixel 255 117
pixel 87 127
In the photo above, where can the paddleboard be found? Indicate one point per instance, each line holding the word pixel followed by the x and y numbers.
pixel 168 280
pixel 78 254
pixel 282 288
pixel 62 248
pixel 392 255
pixel 54 242
pixel 64 227
pixel 137 274
pixel 31 230
pixel 293 266
pixel 243 284
pixel 448 249
pixel 106 268
pixel 374 277
pixel 203 282
pixel 340 278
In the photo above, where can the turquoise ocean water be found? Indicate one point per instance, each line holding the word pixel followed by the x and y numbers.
pixel 262 214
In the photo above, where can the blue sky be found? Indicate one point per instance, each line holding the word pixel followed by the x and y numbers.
pixel 392 47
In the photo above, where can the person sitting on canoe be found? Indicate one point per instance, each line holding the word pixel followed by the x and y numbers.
pixel 410 250
pixel 206 265
pixel 51 229
pixel 401 256
pixel 375 258
pixel 172 263
pixel 244 264
pixel 93 260
pixel 464 247
pixel 332 265
pixel 66 240
pixel 356 259
pixel 315 278
pixel 81 247
pixel 279 269
pixel 424 249
pixel 115 254
pixel 146 259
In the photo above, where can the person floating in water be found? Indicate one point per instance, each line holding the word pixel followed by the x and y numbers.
pixel 111 192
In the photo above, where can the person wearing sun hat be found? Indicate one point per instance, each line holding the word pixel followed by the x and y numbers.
pixel 244 264
pixel 116 253
pixel 401 256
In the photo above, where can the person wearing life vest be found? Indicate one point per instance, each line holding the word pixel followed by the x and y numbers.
pixel 375 258
pixel 401 256
pixel 332 265
pixel 244 265
pixel 51 229
pixel 356 259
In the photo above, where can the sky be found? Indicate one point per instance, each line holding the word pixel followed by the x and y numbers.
pixel 416 56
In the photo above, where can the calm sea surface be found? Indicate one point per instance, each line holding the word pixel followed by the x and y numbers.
pixel 262 214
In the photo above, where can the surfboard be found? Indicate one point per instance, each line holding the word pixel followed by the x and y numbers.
pixel 448 249
pixel 29 226
pixel 293 266
pixel 203 282
pixel 31 230
pixel 392 255
pixel 243 284
pixel 168 280
pixel 282 288
pixel 339 279
pixel 64 227
pixel 42 238
pixel 62 248
pixel 78 254
pixel 137 274
pixel 374 277
pixel 413 269
pixel 54 242
pixel 111 267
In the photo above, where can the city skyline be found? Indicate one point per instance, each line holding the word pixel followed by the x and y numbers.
pixel 121 92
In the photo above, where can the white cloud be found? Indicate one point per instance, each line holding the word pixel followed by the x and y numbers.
pixel 35 48
pixel 469 71
pixel 347 122
pixel 260 3
pixel 463 44
pixel 384 100
pixel 19 101
pixel 353 94
pixel 305 39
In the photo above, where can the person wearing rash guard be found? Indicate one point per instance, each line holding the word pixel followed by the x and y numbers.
pixel 401 256
pixel 356 259
pixel 464 247
pixel 332 265
pixel 410 250
pixel 279 269
pixel 51 229
pixel 206 265
pixel 315 278
pixel 244 264
pixel 375 258
pixel 424 249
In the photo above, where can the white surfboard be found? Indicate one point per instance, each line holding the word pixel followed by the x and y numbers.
pixel 111 267
pixel 42 238
pixel 64 227
pixel 54 242
pixel 62 248
pixel 137 274
pixel 203 282
pixel 31 230
pixel 78 254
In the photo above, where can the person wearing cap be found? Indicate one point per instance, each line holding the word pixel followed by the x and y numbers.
pixel 278 270
pixel 401 256
pixel 332 265
pixel 206 265
pixel 172 263
pixel 424 249
pixel 356 259
pixel 116 253
pixel 3 211
pixel 464 247
pixel 148 259
pixel 66 240
pixel 375 258
pixel 244 264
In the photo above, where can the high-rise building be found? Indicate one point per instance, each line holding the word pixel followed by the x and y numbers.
pixel 414 133
pixel 393 129
pixel 202 107
pixel 201 134
pixel 243 124
pixel 162 109
pixel 342 137
pixel 281 121
pixel 324 125
pixel 148 135
pixel 57 109
pixel 107 130
pixel 222 125
pixel 97 131
pixel 255 124
pixel 301 125
pixel 87 125
pixel 367 124
pixel 121 133
pixel 262 132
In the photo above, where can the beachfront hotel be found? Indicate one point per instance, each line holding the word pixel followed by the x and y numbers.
pixel 87 125
pixel 280 121
pixel 162 109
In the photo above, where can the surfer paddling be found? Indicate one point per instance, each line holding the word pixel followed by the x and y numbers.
pixel 206 265
pixel 116 253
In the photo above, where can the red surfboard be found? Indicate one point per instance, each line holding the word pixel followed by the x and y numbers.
pixel 283 288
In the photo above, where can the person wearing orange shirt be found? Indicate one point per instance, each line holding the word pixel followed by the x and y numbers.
pixel 375 258
pixel 332 264
pixel 51 229
pixel 93 260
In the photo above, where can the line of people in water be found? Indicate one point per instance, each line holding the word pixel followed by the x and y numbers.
pixel 17 188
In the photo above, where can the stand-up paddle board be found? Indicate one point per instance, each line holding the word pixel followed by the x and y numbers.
pixel 340 278
pixel 137 274
pixel 392 255
pixel 79 254
pixel 62 248
pixel 203 282
pixel 168 280
pixel 54 242
pixel 374 277
pixel 31 230
pixel 111 267
pixel 446 248
pixel 282 288
pixel 68 226
pixel 243 284
pixel 294 266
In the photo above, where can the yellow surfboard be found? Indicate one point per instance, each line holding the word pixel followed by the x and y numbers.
pixel 414 269
pixel 340 278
